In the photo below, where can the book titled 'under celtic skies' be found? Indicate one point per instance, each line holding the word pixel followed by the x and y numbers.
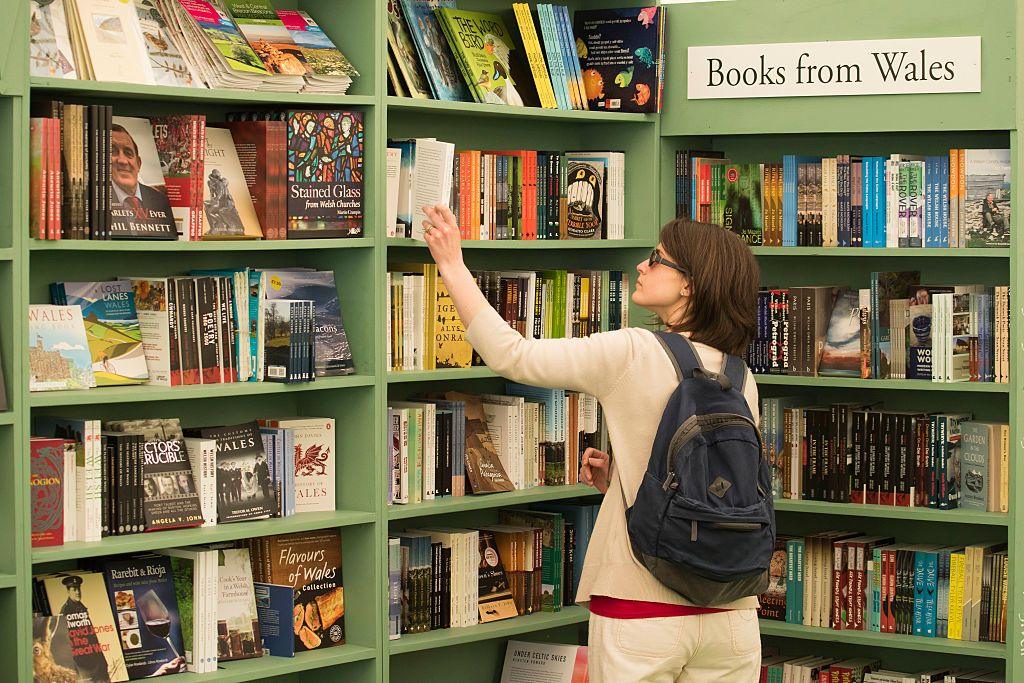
pixel 325 174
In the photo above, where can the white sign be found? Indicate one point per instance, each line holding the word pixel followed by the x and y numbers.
pixel 900 66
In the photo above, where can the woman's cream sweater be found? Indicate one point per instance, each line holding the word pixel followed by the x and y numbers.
pixel 632 376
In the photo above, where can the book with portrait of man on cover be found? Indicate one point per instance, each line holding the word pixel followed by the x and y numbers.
pixel 139 208
pixel 244 487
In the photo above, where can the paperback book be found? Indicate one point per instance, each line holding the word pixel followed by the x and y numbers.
pixel 238 626
pixel 228 211
pixel 139 208
pixel 171 500
pixel 58 351
pixel 244 488
pixel 482 47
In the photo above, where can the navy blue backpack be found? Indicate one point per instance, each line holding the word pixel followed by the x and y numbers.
pixel 703 522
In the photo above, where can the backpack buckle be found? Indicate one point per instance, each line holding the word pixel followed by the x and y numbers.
pixel 722 379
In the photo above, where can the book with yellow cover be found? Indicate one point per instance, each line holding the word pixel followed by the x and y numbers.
pixel 535 55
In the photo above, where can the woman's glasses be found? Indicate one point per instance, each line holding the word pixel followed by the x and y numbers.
pixel 655 257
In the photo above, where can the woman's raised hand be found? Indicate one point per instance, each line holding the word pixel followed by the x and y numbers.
pixel 441 233
pixel 595 469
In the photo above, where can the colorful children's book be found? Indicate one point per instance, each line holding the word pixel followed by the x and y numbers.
pixel 446 82
pixel 482 46
pixel 621 54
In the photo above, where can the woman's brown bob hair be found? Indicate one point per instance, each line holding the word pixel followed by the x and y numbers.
pixel 724 279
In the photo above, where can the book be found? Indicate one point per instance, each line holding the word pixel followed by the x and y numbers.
pixel 325 174
pixel 112 41
pixel 181 146
pixel 585 199
pixel 544 661
pixel 482 46
pixel 274 609
pixel 484 471
pixel 238 626
pixel 270 40
pixel 261 149
pixel 167 63
pixel 443 76
pixel 197 591
pixel 244 488
pixel 333 355
pixel 621 53
pixel 741 212
pixel 228 211
pixel 52 651
pixel 495 595
pixel 840 356
pixel 988 198
pixel 50 53
pixel 403 49
pixel 46 490
pixel 142 596
pixel 171 498
pixel 326 66
pixel 315 460
pixel 81 599
pixel 310 564
pixel 58 351
pixel 112 329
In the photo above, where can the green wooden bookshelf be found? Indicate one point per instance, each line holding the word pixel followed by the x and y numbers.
pixel 753 130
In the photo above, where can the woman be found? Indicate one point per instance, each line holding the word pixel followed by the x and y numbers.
pixel 701 281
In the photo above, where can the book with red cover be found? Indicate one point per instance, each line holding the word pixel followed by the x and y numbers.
pixel 178 144
pixel 261 148
pixel 47 491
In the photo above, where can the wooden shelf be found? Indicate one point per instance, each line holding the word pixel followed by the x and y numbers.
pixel 133 543
pixel 527 623
pixel 221 245
pixel 531 245
pixel 900 384
pixel 818 507
pixel 270 667
pixel 450 504
pixel 859 252
pixel 131 91
pixel 475 372
pixel 886 640
pixel 434 107
pixel 144 392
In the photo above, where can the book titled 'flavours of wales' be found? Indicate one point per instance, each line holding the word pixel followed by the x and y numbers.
pixel 141 591
pixel 325 174
pixel 244 489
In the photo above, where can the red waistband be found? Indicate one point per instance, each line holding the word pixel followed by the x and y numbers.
pixel 615 608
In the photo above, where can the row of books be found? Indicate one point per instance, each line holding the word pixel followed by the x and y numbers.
pixel 860 453
pixel 91 479
pixel 961 199
pixel 453 577
pixel 188 609
pixel 93 175
pixel 608 59
pixel 776 668
pixel 211 327
pixel 898 328
pixel 210 44
pixel 845 580
pixel 425 332
pixel 502 195
pixel 463 444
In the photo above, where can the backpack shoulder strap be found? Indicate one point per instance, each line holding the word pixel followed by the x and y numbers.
pixel 680 350
pixel 736 370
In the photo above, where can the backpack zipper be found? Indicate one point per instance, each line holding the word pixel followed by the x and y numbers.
pixel 694 425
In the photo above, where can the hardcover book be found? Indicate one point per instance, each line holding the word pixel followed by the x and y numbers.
pixel 325 174
pixel 238 626
pixel 621 55
pixel 585 197
pixel 111 328
pixel 310 562
pixel 228 211
pixel 58 351
pixel 171 499
pixel 46 489
pixel 404 51
pixel 482 46
pixel 139 207
pixel 741 212
pixel 141 592
pixel 81 599
pixel 244 488
pixel 446 82
pixel 261 148
pixel 987 200
pixel 333 354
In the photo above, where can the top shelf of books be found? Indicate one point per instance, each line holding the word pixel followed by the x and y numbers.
pixel 809 21
pixel 434 107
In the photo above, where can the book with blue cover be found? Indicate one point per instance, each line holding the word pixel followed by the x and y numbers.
pixel 446 82
pixel 620 54
pixel 274 609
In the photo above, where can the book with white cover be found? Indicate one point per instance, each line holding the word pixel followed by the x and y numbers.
pixel 50 54
pixel 394 167
pixel 549 662
pixel 432 180
pixel 228 212
pixel 113 37
pixel 168 64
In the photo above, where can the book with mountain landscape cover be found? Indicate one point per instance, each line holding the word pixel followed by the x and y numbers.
pixel 80 597
pixel 142 595
pixel 58 352
pixel 111 327
pixel 333 354
pixel 310 562
pixel 325 174
pixel 244 489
